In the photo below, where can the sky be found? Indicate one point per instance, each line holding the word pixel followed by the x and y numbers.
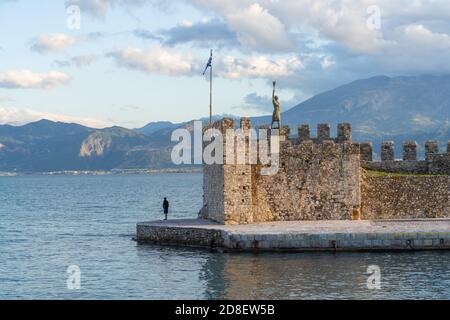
pixel 130 62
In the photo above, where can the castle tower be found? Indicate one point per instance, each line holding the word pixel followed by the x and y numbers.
pixel 238 177
pixel 313 178
pixel 227 187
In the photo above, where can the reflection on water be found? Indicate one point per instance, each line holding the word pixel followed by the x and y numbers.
pixel 49 223
pixel 327 275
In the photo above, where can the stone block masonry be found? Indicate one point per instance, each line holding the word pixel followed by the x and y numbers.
pixel 303 133
pixel 435 163
pixel 410 151
pixel 318 179
pixel 300 235
pixel 322 178
pixel 366 149
pixel 431 149
pixel 387 151
pixel 405 197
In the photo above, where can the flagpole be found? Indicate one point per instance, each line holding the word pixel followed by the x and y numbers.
pixel 210 93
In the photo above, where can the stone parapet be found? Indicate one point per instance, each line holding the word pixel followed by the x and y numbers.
pixel 434 162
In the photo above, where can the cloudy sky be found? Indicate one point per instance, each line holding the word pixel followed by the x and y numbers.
pixel 129 62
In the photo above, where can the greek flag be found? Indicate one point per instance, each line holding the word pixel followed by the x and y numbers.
pixel 208 65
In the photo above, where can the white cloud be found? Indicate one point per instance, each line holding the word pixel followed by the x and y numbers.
pixel 156 60
pixel 205 33
pixel 327 62
pixel 99 8
pixel 418 34
pixel 26 79
pixel 53 42
pixel 20 116
pixel 257 29
pixel 185 23
pixel 272 25
pixel 258 67
pixel 408 37
pixel 422 120
pixel 160 60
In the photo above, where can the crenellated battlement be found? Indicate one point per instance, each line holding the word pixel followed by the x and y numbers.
pixel 316 178
pixel 433 163
pixel 344 131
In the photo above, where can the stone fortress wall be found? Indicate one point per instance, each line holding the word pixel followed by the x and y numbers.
pixel 434 162
pixel 419 188
pixel 325 178
pixel 405 197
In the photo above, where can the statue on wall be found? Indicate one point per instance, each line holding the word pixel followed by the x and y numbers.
pixel 276 109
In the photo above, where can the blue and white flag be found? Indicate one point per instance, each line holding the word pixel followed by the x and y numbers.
pixel 208 65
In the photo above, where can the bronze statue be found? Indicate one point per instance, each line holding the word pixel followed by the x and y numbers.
pixel 276 117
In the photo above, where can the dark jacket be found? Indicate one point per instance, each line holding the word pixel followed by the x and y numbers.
pixel 166 206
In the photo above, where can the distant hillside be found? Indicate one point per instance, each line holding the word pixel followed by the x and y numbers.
pixel 378 108
pixel 153 127
pixel 382 105
pixel 55 146
pixel 110 147
pixel 41 146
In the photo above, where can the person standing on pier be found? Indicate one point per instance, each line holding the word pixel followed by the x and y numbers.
pixel 166 207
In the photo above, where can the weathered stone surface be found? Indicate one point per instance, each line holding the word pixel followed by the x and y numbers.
pixel 418 167
pixel 366 149
pixel 303 133
pixel 329 235
pixel 245 123
pixel 400 197
pixel 410 151
pixel 316 181
pixel 344 132
pixel 439 164
pixel 323 131
pixel 213 193
pixel 431 149
pixel 173 234
pixel 320 179
pixel 387 151
pixel 434 162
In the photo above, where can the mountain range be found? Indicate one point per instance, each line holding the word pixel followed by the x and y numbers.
pixel 379 108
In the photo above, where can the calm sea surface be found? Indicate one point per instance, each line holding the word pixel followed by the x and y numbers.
pixel 48 223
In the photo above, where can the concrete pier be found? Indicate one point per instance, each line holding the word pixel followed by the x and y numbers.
pixel 330 235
